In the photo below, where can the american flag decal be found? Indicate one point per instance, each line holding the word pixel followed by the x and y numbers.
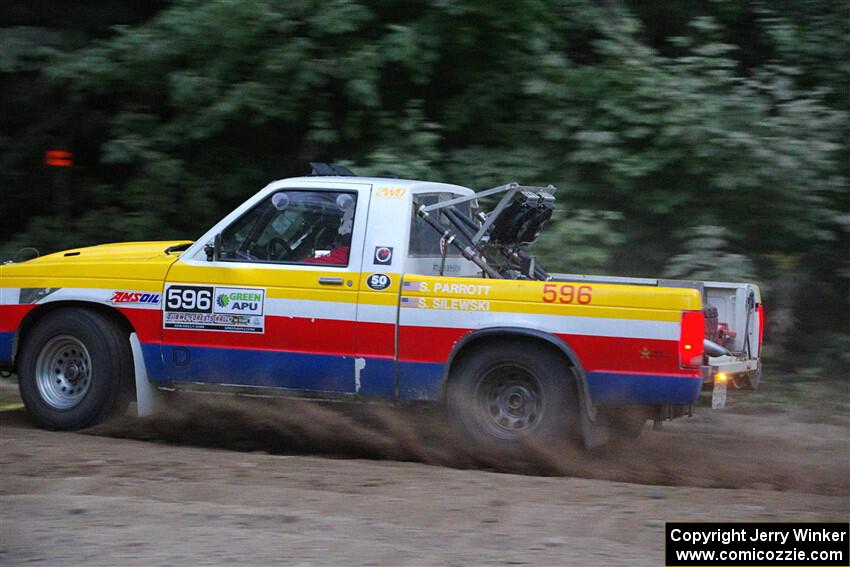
pixel 412 286
pixel 409 302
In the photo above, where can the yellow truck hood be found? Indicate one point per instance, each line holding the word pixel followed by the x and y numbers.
pixel 126 260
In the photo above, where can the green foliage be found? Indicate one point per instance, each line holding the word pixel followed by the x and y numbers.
pixel 692 139
pixel 707 258
pixel 579 241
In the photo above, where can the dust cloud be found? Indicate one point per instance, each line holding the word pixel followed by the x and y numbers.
pixel 714 450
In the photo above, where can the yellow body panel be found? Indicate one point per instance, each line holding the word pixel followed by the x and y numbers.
pixel 143 266
pixel 584 299
pixel 280 283
pixel 133 265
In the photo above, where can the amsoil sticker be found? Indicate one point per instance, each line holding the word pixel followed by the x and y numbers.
pixel 383 255
pixel 208 308
pixel 134 297
pixel 379 282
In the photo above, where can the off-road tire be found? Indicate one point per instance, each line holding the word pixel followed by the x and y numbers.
pixel 75 369
pixel 513 396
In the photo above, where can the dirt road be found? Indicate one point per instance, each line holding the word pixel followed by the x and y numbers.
pixel 246 486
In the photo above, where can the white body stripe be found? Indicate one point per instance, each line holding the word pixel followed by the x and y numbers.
pixel 310 309
pixel 592 326
pixel 568 325
pixel 377 313
pixel 9 295
pixel 100 296
pixel 386 314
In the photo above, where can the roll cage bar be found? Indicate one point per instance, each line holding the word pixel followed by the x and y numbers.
pixel 517 220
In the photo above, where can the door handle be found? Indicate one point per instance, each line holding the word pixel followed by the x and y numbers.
pixel 330 281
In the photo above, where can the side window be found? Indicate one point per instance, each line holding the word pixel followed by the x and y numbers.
pixel 294 227
pixel 424 240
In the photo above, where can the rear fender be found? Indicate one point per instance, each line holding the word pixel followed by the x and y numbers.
pixel 586 408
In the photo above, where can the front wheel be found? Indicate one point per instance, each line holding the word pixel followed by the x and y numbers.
pixel 75 369
pixel 509 395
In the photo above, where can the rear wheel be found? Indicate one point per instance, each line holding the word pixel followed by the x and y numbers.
pixel 75 369
pixel 509 395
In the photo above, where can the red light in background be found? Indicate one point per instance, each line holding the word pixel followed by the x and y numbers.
pixel 58 158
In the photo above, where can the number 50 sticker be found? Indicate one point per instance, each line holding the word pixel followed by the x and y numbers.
pixel 554 293
pixel 379 282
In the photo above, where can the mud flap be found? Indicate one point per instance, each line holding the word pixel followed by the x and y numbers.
pixel 149 400
pixel 718 392
pixel 594 433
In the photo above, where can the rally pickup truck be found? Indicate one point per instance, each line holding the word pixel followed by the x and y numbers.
pixel 335 286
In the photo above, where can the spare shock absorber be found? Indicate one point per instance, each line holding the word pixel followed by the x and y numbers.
pixel 468 252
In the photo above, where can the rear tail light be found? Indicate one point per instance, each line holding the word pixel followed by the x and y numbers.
pixel 760 311
pixel 690 339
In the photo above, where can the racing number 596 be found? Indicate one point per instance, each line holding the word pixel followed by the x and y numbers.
pixel 189 299
pixel 567 293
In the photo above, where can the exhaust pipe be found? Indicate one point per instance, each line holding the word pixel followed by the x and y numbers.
pixel 714 349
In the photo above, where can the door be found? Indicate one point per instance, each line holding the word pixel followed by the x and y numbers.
pixel 276 306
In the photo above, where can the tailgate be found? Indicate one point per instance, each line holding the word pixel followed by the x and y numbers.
pixel 740 318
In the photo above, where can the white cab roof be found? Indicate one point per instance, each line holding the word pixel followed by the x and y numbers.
pixel 415 186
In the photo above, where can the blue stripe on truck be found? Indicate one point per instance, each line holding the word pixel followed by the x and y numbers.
pixel 613 388
pixel 268 368
pixel 6 342
pixel 420 381
pixel 417 381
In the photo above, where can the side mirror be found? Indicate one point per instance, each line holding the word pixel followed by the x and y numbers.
pixel 213 251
